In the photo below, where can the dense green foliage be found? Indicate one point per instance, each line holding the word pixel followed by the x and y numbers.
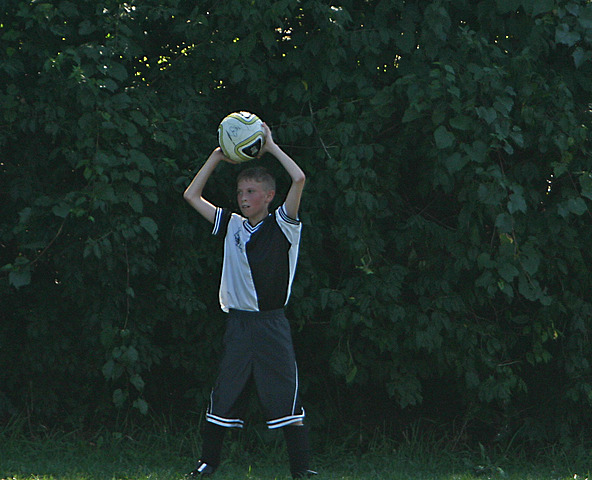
pixel 445 265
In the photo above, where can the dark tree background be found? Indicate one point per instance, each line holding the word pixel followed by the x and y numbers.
pixel 445 265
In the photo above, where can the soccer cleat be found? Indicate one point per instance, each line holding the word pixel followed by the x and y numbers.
pixel 202 470
pixel 305 474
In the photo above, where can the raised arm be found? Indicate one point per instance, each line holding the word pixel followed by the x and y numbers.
pixel 193 193
pixel 296 174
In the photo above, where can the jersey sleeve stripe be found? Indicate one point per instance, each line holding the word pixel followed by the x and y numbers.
pixel 221 221
pixel 217 221
pixel 284 216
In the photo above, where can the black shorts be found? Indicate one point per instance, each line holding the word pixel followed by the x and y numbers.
pixel 257 346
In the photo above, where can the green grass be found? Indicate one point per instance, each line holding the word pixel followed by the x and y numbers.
pixel 163 456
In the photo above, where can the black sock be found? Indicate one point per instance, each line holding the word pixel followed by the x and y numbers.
pixel 298 446
pixel 213 438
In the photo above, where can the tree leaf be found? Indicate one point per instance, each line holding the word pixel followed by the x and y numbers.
pixel 585 16
pixel 504 222
pixel 61 210
pixel 564 35
pixel 516 203
pixel 462 122
pixel 506 270
pixel 20 277
pixel 119 397
pixel 135 201
pixel 577 206
pixel 542 6
pixel 444 138
pixel 137 381
pixel 141 405
pixel 150 226
pixel 585 180
pixel 487 114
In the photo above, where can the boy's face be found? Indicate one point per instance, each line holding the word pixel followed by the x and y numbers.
pixel 253 198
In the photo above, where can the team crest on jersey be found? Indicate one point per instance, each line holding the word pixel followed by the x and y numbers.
pixel 237 241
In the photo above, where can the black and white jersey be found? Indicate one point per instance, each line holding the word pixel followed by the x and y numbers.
pixel 259 261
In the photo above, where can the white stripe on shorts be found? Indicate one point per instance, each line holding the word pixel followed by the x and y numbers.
pixel 225 422
pixel 285 421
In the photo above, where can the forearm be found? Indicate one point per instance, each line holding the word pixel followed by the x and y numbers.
pixel 292 202
pixel 194 192
pixel 195 188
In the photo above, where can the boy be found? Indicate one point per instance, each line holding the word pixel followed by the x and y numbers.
pixel 260 253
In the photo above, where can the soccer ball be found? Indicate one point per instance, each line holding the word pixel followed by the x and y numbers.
pixel 241 136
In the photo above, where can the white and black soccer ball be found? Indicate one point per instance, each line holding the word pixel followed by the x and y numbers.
pixel 241 136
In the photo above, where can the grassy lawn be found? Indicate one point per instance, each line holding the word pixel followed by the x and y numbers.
pixel 163 457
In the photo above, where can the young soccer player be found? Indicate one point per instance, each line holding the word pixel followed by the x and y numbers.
pixel 260 253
